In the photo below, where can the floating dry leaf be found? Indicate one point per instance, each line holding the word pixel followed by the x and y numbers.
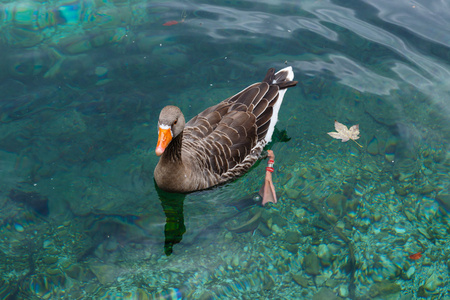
pixel 344 133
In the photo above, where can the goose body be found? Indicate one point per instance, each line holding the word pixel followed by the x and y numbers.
pixel 223 141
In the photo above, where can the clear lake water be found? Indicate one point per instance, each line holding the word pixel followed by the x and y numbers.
pixel 81 87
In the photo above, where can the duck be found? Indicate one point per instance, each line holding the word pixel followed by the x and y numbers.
pixel 222 142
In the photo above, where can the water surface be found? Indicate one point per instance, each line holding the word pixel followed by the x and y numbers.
pixel 82 84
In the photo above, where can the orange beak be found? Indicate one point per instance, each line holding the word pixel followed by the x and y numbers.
pixel 164 138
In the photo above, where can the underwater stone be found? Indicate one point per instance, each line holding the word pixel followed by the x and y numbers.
pixel 311 264
pixel 105 273
pixel 73 271
pixel 325 293
pixel 401 191
pixel 343 291
pixel 278 220
pixel 264 230
pixel 337 203
pixel 382 289
pixel 292 193
pixel 300 280
pixel 410 272
pixel 50 260
pixel 443 199
pixel 269 283
pixel 235 261
pixel 324 255
pixel 292 237
pixel 372 147
pixel 292 248
pixel 389 150
pixel 426 189
pixel 432 283
pixel 18 227
pixel 31 199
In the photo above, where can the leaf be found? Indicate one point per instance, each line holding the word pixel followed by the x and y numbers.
pixel 344 133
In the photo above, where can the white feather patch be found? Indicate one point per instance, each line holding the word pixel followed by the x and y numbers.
pixel 276 107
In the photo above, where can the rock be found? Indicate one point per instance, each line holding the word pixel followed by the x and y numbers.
pixel 389 150
pixel 278 220
pixel 337 202
pixel 32 199
pixel 401 191
pixel 372 147
pixel 343 291
pixel 443 198
pixel 324 255
pixel 300 280
pixel 264 230
pixel 432 283
pixel 325 293
pixel 49 260
pixel 292 193
pixel 410 272
pixel 426 189
pixel 292 237
pixel 422 293
pixel 292 248
pixel 235 261
pixel 18 227
pixel 384 288
pixel 105 273
pixel 311 264
pixel 331 283
pixel 269 283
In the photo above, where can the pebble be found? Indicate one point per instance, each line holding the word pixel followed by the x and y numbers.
pixel 235 261
pixel 324 255
pixel 384 288
pixel 50 260
pixel 343 291
pixel 325 293
pixel 432 283
pixel 292 237
pixel 18 227
pixel 300 280
pixel 444 200
pixel 410 272
pixel 372 147
pixel 292 193
pixel 311 264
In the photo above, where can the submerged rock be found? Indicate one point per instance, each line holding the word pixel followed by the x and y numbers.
pixel 105 273
pixel 311 264
pixel 382 289
pixel 443 199
pixel 292 237
pixel 325 293
pixel 300 280
pixel 372 147
pixel 32 199
pixel 324 255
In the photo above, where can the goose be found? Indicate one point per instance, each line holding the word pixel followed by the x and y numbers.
pixel 222 142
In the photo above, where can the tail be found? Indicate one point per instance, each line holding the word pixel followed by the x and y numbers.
pixel 284 80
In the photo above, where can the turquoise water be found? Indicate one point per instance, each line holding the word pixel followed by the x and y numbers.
pixel 82 84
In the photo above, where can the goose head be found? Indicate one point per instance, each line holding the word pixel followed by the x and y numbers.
pixel 170 125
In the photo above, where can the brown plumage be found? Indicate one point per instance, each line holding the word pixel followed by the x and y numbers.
pixel 223 141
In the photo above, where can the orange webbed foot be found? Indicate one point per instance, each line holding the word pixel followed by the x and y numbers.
pixel 267 191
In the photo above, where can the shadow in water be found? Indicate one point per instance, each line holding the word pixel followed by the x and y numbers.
pixel 172 205
pixel 174 228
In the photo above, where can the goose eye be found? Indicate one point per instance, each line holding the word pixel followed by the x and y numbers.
pixel 175 122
